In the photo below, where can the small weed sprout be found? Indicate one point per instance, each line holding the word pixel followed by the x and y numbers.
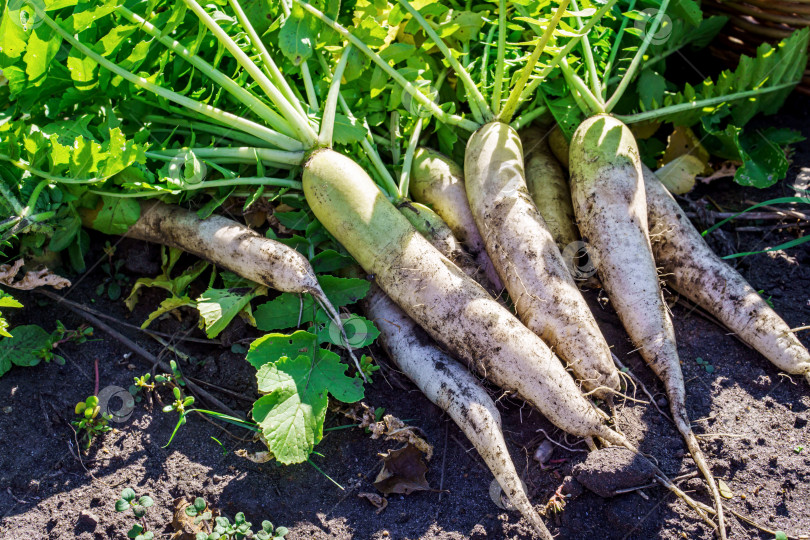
pixel 222 529
pixel 91 421
pixel 139 505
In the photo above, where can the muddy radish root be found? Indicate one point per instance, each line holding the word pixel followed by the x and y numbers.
pixel 548 187
pixel 696 272
pixel 607 190
pixel 437 232
pixel 449 385
pixel 455 310
pixel 438 182
pixel 528 261
pixel 230 245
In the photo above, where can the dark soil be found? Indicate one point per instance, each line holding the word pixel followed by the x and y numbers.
pixel 752 420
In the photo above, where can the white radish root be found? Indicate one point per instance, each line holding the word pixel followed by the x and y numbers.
pixel 438 182
pixel 230 245
pixel 455 310
pixel 450 386
pixel 607 191
pixel 435 230
pixel 528 261
pixel 696 272
pixel 548 187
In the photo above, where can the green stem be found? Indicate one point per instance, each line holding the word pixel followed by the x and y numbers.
pixel 244 154
pixel 32 200
pixel 532 87
pixel 273 119
pixel 594 103
pixel 309 88
pixel 692 105
pixel 299 123
pixel 222 132
pixel 267 60
pixel 527 118
pixel 509 109
pixel 461 73
pixel 16 205
pixel 405 173
pixel 485 57
pixel 389 184
pixel 476 112
pixel 499 63
pixel 42 174
pixel 246 181
pixel 414 92
pixel 587 55
pixel 207 110
pixel 639 56
pixel 614 50
pixel 395 136
pixel 330 108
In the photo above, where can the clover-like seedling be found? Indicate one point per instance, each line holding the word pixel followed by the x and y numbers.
pixel 131 501
pixel 180 404
pixel 199 511
pixel 141 384
pixel 91 421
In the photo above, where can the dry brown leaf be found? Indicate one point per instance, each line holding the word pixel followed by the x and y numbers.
pixel 31 280
pixel 379 502
pixel 403 472
pixel 390 427
pixel 727 168
pixel 183 524
pixel 255 457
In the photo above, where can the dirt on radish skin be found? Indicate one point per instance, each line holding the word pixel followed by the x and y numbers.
pixel 528 261
pixel 607 190
pixel 438 182
pixel 548 187
pixel 449 385
pixel 454 309
pixel 694 270
pixel 434 229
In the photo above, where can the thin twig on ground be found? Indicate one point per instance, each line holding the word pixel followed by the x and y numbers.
pixel 143 353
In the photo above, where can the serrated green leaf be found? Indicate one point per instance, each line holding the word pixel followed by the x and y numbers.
pixel 117 215
pixel 41 50
pixel 271 347
pixel 6 300
pixel 330 260
pixel 166 306
pixel 292 412
pixel 298 35
pixel 296 221
pixel 218 307
pixel 360 332
pixel 285 311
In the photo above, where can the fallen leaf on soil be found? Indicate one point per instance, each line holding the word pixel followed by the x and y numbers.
pixel 255 457
pixel 403 472
pixel 389 427
pixel 31 280
pixel 725 491
pixel 379 502
pixel 183 524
